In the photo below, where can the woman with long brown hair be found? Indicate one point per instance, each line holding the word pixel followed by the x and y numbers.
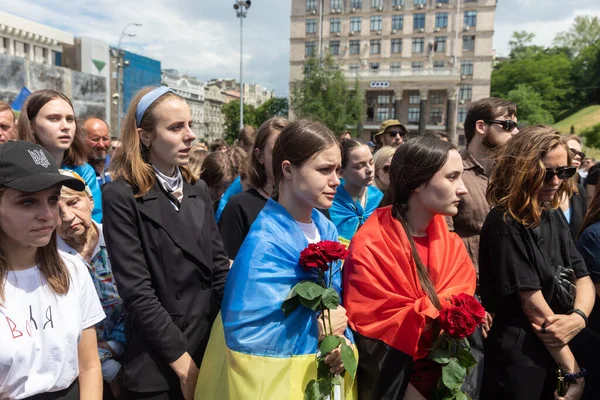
pixel 48 119
pixel 164 246
pixel 528 268
pixel 404 266
pixel 48 305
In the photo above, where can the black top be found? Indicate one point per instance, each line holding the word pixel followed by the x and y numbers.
pixel 170 269
pixel 511 261
pixel 578 206
pixel 593 175
pixel 237 218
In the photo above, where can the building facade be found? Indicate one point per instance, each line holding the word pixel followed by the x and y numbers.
pixel 213 117
pixel 192 90
pixel 419 61
pixel 255 95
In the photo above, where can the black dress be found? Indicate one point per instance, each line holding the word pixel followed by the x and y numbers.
pixel 517 365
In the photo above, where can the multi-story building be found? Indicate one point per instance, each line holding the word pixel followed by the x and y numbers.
pixel 192 90
pixel 135 72
pixel 419 61
pixel 34 42
pixel 254 94
pixel 213 117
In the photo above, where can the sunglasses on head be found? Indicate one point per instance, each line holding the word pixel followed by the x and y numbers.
pixel 508 124
pixel 562 173
pixel 396 132
pixel 576 153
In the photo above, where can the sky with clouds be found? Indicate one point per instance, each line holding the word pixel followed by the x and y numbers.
pixel 201 37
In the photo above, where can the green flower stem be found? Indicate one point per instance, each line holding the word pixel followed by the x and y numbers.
pixel 329 316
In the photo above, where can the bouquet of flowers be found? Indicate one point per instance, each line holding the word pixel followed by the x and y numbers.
pixel 319 297
pixel 452 349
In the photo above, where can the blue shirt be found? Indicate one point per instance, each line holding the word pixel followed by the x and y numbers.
pixel 104 177
pixel 588 245
pixel 89 176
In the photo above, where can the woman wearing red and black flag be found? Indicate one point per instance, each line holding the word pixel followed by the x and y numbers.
pixel 404 267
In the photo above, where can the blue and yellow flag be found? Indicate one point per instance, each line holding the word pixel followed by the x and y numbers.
pixel 348 215
pixel 255 352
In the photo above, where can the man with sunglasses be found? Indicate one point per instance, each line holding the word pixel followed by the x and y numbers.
pixel 392 133
pixel 489 124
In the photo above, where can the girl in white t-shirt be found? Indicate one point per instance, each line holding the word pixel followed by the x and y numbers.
pixel 48 304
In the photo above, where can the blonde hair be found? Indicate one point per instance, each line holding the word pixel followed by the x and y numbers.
pixel 379 160
pixel 519 173
pixel 197 156
pixel 131 161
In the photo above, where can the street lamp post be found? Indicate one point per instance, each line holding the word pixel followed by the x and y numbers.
pixel 120 66
pixel 241 9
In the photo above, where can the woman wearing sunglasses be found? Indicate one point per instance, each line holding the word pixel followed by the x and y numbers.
pixel 382 161
pixel 531 268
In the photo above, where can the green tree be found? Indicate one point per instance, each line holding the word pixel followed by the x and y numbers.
pixel 520 44
pixel 530 106
pixel 592 136
pixel 231 114
pixel 584 32
pixel 274 107
pixel 586 76
pixel 323 95
pixel 546 72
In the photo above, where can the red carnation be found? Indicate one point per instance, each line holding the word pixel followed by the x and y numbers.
pixel 457 322
pixel 470 305
pixel 333 251
pixel 312 257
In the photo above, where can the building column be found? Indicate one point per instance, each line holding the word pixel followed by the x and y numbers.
pixel 451 115
pixel 424 93
pixel 397 103
pixel 11 46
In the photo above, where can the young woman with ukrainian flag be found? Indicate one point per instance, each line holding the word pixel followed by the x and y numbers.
pixel 255 351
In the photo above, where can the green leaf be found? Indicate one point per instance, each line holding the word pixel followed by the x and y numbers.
pixel 322 370
pixel 309 290
pixel 312 391
pixel 465 358
pixel 331 299
pixel 461 396
pixel 336 380
pixel 312 304
pixel 441 355
pixel 349 360
pixel 453 374
pixel 325 386
pixel 289 305
pixel 328 344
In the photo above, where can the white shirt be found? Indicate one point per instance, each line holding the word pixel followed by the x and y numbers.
pixel 310 231
pixel 40 330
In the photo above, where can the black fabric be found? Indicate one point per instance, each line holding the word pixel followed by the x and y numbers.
pixel 70 393
pixel 518 366
pixel 170 269
pixel 579 203
pixel 237 218
pixel 170 395
pixel 593 175
pixel 383 371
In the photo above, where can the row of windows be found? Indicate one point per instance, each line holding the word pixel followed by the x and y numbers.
pixel 311 5
pixel 466 67
pixel 441 21
pixel 418 46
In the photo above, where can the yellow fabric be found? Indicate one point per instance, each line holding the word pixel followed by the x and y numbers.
pixel 229 375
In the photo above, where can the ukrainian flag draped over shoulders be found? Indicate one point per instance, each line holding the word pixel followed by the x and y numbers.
pixel 255 352
pixel 348 215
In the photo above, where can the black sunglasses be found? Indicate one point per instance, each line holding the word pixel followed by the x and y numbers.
pixel 562 173
pixel 386 169
pixel 394 133
pixel 577 153
pixel 507 125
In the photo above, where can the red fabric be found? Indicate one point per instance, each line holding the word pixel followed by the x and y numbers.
pixel 422 246
pixel 381 288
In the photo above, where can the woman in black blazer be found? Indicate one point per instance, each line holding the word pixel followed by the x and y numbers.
pixel 165 248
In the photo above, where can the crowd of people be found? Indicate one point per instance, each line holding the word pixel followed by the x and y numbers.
pixel 155 266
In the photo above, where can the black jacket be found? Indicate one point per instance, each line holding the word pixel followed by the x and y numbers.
pixel 170 269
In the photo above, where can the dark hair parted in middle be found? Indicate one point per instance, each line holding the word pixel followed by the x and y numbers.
pixel 298 142
pixel 518 175
pixel 256 171
pixel 415 162
pixel 347 146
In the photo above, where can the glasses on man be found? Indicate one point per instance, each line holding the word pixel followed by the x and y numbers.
pixel 508 124
pixel 562 173
pixel 395 132
pixel 577 153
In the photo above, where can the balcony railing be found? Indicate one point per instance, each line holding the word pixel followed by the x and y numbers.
pixel 409 72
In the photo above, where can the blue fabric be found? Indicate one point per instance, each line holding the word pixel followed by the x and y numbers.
pixel 233 189
pixel 263 274
pixel 18 102
pixel 89 176
pixel 589 247
pixel 349 215
pixel 568 213
pixel 147 100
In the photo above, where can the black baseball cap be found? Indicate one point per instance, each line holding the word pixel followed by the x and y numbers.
pixel 28 167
